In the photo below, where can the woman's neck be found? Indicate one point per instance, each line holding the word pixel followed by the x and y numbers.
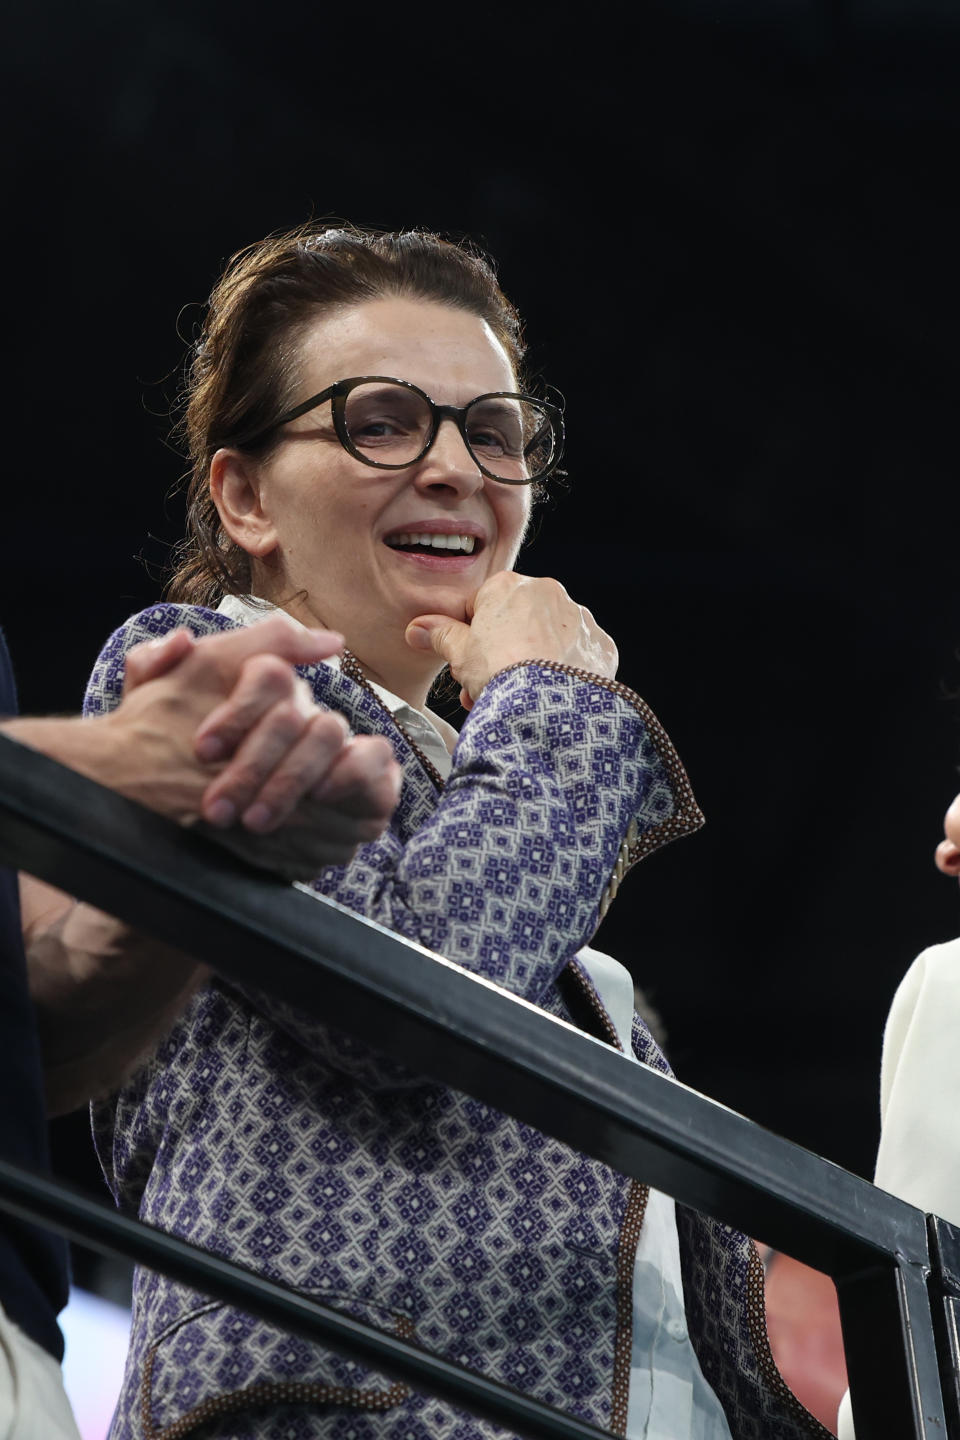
pixel 399 679
pixel 384 656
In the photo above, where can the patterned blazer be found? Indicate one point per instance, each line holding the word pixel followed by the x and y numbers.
pixel 265 1136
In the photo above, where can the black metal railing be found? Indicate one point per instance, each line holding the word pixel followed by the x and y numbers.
pixel 897 1273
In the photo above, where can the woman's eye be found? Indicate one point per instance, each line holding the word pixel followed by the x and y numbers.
pixel 485 439
pixel 491 442
pixel 385 428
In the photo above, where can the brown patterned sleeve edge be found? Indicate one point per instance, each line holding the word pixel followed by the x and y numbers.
pixel 687 815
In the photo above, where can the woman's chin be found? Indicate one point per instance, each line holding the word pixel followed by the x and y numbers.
pixel 456 609
pixel 447 599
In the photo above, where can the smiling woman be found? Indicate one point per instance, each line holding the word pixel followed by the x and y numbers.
pixel 365 455
pixel 337 531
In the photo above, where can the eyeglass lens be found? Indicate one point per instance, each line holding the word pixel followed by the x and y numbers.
pixel 390 425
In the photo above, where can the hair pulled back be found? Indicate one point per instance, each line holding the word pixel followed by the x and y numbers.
pixel 244 366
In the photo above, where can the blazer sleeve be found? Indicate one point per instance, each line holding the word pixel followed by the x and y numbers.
pixel 560 782
pixel 556 782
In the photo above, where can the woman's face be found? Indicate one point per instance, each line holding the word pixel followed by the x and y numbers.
pixel 323 520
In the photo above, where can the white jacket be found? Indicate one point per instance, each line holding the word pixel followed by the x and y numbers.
pixel 919 1154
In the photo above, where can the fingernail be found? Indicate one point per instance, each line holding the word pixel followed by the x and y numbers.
pixel 418 637
pixel 221 812
pixel 258 817
pixel 209 747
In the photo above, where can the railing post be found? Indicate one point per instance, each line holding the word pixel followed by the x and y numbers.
pixel 945 1304
pixel 891 1353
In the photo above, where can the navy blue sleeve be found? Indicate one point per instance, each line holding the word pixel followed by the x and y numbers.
pixel 33 1263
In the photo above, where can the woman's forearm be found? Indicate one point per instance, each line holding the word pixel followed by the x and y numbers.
pixel 554 771
pixel 506 878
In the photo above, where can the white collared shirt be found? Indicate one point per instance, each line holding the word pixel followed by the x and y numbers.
pixel 669 1396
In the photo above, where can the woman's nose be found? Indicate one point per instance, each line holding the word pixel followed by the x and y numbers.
pixel 449 463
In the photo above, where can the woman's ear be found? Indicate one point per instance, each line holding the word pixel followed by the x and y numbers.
pixel 947 858
pixel 235 490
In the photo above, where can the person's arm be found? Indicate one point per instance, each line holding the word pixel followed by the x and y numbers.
pixel 562 780
pixel 553 772
pixel 104 994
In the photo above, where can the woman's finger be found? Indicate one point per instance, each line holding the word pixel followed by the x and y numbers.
pixel 445 637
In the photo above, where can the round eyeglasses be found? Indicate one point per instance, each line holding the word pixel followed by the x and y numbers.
pixel 392 424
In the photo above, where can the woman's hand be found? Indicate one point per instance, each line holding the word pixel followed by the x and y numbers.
pixel 515 617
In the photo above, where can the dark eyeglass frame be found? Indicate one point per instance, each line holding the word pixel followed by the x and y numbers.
pixel 438 413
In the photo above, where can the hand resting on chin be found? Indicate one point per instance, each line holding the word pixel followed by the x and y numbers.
pixel 514 618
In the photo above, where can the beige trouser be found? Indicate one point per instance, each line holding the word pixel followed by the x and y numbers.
pixel 33 1402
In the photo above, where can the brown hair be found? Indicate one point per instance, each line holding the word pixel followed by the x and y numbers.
pixel 243 368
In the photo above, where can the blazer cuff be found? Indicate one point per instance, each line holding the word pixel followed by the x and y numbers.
pixel 640 839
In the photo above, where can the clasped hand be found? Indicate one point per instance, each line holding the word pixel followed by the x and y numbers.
pixel 221 729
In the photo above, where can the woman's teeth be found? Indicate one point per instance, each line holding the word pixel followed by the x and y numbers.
pixel 464 543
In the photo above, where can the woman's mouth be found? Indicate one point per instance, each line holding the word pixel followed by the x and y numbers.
pixel 415 543
pixel 435 546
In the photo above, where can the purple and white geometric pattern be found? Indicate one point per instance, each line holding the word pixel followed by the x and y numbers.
pixel 265 1136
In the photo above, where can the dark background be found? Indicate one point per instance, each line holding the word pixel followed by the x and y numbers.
pixel 733 230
